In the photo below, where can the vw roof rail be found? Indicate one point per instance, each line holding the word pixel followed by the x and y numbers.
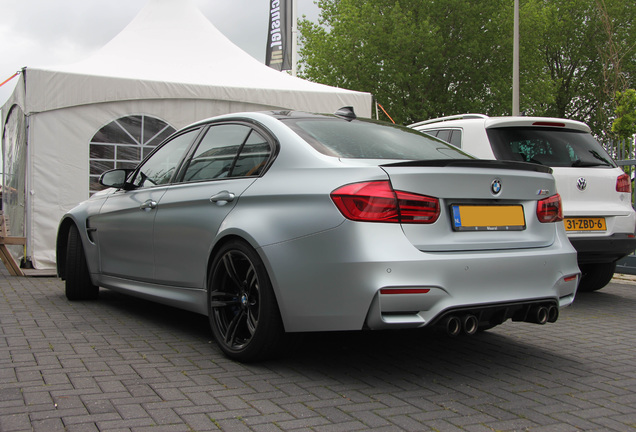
pixel 447 118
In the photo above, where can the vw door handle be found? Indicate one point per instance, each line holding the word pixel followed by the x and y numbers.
pixel 222 198
pixel 148 205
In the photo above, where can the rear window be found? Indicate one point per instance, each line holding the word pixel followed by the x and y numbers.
pixel 362 139
pixel 548 146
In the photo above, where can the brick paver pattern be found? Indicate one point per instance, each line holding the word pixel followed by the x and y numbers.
pixel 124 364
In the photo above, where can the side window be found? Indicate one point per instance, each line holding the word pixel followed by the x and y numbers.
pixel 444 134
pixel 456 138
pixel 160 167
pixel 253 156
pixel 451 136
pixel 228 150
pixel 432 132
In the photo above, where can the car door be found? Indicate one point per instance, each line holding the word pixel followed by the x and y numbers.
pixel 124 225
pixel 229 158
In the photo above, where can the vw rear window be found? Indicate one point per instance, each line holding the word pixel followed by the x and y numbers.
pixel 548 146
pixel 362 139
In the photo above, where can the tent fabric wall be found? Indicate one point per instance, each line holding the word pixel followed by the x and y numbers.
pixel 188 71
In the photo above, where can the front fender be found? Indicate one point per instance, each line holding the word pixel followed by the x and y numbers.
pixel 79 216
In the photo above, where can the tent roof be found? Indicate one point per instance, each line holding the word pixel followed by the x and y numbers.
pixel 171 50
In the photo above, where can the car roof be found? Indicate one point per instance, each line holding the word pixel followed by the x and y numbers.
pixel 508 121
pixel 277 114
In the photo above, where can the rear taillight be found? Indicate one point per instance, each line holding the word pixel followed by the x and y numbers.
pixel 378 202
pixel 623 184
pixel 550 209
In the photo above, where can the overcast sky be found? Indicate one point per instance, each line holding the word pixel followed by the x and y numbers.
pixel 39 33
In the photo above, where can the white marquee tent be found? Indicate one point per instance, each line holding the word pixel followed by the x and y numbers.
pixel 169 67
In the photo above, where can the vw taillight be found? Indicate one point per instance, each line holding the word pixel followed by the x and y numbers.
pixel 376 201
pixel 550 209
pixel 623 184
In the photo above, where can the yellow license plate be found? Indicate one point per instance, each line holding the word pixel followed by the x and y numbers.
pixel 488 218
pixel 585 224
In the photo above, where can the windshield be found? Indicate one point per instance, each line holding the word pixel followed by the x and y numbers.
pixel 548 146
pixel 365 139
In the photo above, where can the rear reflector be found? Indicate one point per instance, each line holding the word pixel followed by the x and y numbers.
pixel 376 201
pixel 623 184
pixel 404 291
pixel 569 278
pixel 550 209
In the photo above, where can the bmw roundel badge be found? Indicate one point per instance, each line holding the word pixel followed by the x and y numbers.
pixel 495 186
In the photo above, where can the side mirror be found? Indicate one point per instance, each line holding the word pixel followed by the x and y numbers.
pixel 115 178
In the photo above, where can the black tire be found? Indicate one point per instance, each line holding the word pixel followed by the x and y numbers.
pixel 242 307
pixel 78 280
pixel 596 276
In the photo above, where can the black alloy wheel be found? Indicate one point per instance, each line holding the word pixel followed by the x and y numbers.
pixel 242 308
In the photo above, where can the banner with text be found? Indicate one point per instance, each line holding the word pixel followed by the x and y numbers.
pixel 278 53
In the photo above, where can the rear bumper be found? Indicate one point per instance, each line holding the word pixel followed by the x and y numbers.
pixel 344 278
pixel 603 249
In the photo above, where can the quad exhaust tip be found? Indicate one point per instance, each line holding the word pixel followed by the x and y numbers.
pixel 539 315
pixel 468 324
pixel 454 325
pixel 543 314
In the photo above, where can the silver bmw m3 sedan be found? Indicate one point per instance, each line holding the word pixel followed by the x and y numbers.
pixel 274 223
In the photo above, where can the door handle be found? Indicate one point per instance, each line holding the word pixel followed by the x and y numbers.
pixel 222 198
pixel 148 205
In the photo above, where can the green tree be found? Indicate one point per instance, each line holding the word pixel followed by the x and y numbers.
pixel 420 59
pixel 585 45
pixel 427 58
pixel 624 126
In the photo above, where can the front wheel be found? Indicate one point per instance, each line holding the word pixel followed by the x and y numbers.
pixel 242 308
pixel 596 276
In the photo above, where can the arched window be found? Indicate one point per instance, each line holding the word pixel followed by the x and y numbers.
pixel 123 143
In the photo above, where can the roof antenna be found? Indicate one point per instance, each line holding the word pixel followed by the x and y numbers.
pixel 346 113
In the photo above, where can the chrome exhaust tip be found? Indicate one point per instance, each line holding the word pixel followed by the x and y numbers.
pixel 453 325
pixel 538 315
pixel 470 324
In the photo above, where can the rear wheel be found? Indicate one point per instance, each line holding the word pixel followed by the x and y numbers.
pixel 242 308
pixel 78 280
pixel 596 276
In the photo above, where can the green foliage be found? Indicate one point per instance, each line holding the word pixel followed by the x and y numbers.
pixel 430 58
pixel 415 57
pixel 624 125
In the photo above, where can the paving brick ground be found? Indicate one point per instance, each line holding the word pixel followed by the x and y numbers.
pixel 122 364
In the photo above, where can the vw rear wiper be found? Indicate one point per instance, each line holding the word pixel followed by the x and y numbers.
pixel 580 163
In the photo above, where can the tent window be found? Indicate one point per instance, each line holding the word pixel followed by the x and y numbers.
pixel 124 143
pixel 102 151
pixel 128 153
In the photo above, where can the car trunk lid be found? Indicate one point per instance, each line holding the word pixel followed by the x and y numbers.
pixel 484 205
